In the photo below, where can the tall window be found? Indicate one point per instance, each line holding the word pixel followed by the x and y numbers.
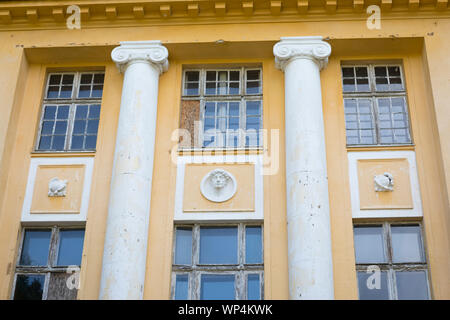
pixel 391 262
pixel 229 103
pixel 376 111
pixel 43 267
pixel 218 262
pixel 71 112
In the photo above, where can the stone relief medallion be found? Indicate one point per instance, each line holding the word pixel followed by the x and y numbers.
pixel 218 185
pixel 57 187
pixel 384 182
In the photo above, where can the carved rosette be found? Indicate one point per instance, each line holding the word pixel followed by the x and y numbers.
pixel 290 48
pixel 134 51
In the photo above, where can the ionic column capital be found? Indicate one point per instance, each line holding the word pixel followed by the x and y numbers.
pixel 141 51
pixel 290 48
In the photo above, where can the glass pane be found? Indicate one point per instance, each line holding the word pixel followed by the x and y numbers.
pixel 373 286
pixel 86 78
pixel 77 142
pixel 218 245
pixel 44 143
pixel 60 127
pixel 369 246
pixel 50 112
pixel 412 285
pixel 53 92
pixel 58 143
pixel 70 247
pixel 94 111
pixel 217 287
pixel 66 92
pixel 191 89
pixel 407 244
pixel 183 246
pixel 29 287
pixel 234 75
pixel 192 76
pixel 63 112
pixel 97 91
pixel 253 287
pixel 253 244
pixel 99 78
pixel 253 74
pixel 79 126
pixel 47 127
pixel 92 126
pixel 55 79
pixel 253 107
pixel 181 287
pixel 85 91
pixel 91 142
pixel 68 79
pixel 81 112
pixel 35 248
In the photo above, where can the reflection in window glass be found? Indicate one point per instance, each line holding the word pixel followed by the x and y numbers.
pixel 407 244
pixel 182 286
pixel 253 287
pixel 412 285
pixel 183 246
pixel 369 246
pixel 253 244
pixel 370 288
pixel 29 287
pixel 70 247
pixel 218 245
pixel 35 248
pixel 217 287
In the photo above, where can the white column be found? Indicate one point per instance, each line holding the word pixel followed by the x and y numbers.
pixel 308 212
pixel 125 251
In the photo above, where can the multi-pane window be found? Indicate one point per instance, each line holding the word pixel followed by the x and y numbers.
pixel 391 262
pixel 229 103
pixel 218 262
pixel 71 112
pixel 47 259
pixel 375 105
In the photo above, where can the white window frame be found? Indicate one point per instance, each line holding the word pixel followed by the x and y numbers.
pixel 240 98
pixel 72 102
pixel 241 270
pixel 52 257
pixel 373 95
pixel 389 266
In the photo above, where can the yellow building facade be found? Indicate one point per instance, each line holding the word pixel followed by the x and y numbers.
pixel 255 149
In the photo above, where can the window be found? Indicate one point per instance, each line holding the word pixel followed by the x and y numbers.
pixel 218 262
pixel 227 102
pixel 71 112
pixel 375 105
pixel 47 258
pixel 396 250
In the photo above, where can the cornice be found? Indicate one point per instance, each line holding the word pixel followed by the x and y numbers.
pixel 53 13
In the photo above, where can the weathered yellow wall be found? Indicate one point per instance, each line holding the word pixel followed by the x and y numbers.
pixel 427 70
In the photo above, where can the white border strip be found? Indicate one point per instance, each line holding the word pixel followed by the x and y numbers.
pixel 258 214
pixel 88 162
pixel 353 158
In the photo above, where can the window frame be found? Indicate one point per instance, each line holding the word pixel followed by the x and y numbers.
pixel 52 257
pixel 195 270
pixel 373 95
pixel 389 266
pixel 242 97
pixel 72 102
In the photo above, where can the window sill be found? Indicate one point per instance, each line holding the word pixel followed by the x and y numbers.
pixel 381 147
pixel 62 154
